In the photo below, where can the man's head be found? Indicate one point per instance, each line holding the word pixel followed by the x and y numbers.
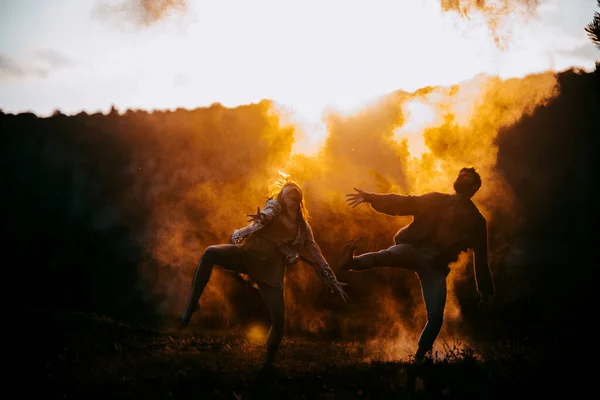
pixel 467 182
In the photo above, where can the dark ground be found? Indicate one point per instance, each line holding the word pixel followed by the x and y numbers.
pixel 88 356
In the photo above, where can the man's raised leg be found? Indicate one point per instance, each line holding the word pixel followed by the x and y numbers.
pixel 397 256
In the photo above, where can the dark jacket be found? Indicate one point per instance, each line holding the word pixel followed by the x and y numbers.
pixel 426 210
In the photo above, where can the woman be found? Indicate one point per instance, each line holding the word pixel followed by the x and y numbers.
pixel 276 237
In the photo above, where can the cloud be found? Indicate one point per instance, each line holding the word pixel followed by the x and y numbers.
pixel 586 51
pixel 53 58
pixel 40 64
pixel 11 69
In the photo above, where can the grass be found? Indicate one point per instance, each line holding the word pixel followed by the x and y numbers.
pixel 87 356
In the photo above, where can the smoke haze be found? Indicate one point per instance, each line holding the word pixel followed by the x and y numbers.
pixel 141 195
pixel 500 16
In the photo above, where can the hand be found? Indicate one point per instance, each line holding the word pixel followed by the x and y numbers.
pixel 486 303
pixel 355 199
pixel 338 288
pixel 257 218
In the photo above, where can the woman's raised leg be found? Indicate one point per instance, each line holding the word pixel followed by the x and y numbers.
pixel 227 256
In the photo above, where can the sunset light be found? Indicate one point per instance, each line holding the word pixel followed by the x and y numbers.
pixel 418 116
pixel 310 56
pixel 256 199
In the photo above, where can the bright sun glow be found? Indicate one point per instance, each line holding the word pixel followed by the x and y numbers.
pixel 418 116
pixel 309 57
pixel 313 57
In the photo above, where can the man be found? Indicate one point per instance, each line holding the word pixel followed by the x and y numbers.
pixel 444 225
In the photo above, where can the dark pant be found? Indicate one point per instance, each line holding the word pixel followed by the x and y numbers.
pixel 232 258
pixel 431 274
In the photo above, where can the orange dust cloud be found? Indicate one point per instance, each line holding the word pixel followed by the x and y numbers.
pixel 141 13
pixel 201 186
pixel 203 181
pixel 457 126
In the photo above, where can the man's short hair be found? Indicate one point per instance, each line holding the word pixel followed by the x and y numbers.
pixel 474 173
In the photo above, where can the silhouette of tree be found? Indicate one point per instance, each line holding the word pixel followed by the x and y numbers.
pixel 593 28
pixel 593 31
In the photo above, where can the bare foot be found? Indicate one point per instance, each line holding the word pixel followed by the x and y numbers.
pixel 346 262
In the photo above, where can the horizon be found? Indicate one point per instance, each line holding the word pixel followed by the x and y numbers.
pixel 90 55
pixel 122 110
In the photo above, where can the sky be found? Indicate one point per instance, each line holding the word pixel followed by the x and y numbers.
pixel 309 55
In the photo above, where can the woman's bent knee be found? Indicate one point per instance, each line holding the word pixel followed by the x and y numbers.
pixel 210 254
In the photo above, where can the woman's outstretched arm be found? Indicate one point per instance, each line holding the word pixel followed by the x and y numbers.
pixel 321 265
pixel 262 218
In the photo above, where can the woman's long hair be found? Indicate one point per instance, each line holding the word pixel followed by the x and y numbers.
pixel 276 191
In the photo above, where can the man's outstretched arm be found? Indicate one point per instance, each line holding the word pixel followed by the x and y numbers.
pixel 386 203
